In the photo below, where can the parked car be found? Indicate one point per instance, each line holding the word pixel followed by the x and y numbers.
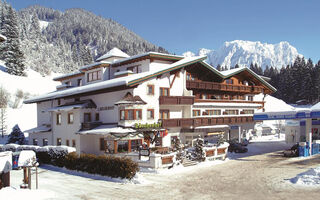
pixel 292 152
pixel 237 148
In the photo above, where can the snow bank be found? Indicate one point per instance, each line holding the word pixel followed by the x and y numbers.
pixel 18 194
pixel 308 178
pixel 56 149
pixel 5 162
pixel 273 104
pixel 27 158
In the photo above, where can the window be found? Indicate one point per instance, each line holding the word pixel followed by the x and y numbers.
pixel 45 142
pixel 79 82
pixel 67 143
pixel 135 144
pixel 150 114
pixel 68 83
pixel 35 142
pixel 190 77
pixel 58 141
pixel 122 146
pixel 73 143
pixel 204 96
pixel 164 91
pixel 213 112
pixel 164 114
pixel 70 118
pixel 59 102
pixel 248 111
pixel 131 114
pixel 231 112
pixel 250 98
pixel 97 116
pixel 122 115
pixel 58 118
pixel 150 90
pixel 87 117
pixel 138 114
pixel 102 144
pixel 93 76
pixel 196 113
pixel 135 69
pixel 229 81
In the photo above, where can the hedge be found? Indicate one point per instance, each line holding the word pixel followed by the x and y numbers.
pixel 63 156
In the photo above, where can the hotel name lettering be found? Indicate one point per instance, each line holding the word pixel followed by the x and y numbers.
pixel 106 108
pixel 154 125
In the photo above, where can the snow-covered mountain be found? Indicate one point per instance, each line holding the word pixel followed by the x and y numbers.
pixel 244 53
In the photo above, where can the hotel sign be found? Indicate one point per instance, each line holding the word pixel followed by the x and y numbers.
pixel 146 125
pixel 106 108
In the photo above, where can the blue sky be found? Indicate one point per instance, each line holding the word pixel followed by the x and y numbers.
pixel 180 26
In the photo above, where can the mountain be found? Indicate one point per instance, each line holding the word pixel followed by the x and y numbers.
pixel 61 42
pixel 244 53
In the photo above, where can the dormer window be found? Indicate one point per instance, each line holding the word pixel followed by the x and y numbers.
pixel 93 76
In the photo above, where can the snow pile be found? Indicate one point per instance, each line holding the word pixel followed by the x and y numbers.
pixel 27 158
pixel 18 194
pixel 5 162
pixel 244 53
pixel 273 104
pixel 308 178
pixel 56 149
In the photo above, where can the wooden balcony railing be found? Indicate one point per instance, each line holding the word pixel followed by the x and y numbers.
pixel 227 101
pixel 90 125
pixel 176 100
pixel 223 87
pixel 205 121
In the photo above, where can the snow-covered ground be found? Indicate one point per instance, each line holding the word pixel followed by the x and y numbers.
pixel 25 115
pixel 308 178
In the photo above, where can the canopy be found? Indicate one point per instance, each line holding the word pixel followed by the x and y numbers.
pixel 74 105
pixel 39 129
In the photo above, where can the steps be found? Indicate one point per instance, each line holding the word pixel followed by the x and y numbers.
pixel 187 163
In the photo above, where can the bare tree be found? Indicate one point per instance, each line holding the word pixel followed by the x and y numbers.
pixel 4 99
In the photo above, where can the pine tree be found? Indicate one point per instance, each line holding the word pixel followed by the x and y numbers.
pixel 4 99
pixel 14 58
pixel 236 66
pixel 219 67
pixel 16 136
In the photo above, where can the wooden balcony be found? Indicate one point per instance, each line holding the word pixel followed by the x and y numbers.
pixel 90 125
pixel 227 101
pixel 204 85
pixel 176 100
pixel 205 121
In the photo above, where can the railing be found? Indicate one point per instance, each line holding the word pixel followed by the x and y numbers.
pixel 89 125
pixel 205 85
pixel 205 121
pixel 176 100
pixel 226 101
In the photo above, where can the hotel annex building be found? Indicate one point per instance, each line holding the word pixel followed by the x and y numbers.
pixel 119 102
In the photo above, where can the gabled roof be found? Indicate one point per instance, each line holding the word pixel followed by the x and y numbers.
pixel 235 71
pixel 115 52
pixel 130 99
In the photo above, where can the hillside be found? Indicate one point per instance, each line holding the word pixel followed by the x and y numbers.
pixel 244 53
pixel 60 42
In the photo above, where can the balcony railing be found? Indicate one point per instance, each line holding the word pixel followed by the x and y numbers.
pixel 205 121
pixel 90 125
pixel 227 101
pixel 223 87
pixel 176 100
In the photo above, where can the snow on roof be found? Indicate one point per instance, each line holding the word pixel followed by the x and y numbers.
pixel 122 81
pixel 115 52
pixel 27 158
pixel 94 64
pixel 5 161
pixel 74 105
pixel 232 71
pixel 67 75
pixel 39 129
pixel 106 129
pixel 273 104
pixel 316 106
pixel 214 126
pixel 2 37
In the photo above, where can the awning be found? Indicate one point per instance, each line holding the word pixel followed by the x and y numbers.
pixel 74 105
pixel 215 133
pixel 113 132
pixel 39 129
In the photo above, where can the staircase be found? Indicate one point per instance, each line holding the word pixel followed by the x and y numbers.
pixel 187 163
